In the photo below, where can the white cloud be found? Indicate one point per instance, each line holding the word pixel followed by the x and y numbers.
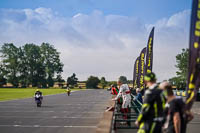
pixel 95 44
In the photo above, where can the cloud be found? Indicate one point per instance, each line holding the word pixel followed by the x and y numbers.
pixel 98 44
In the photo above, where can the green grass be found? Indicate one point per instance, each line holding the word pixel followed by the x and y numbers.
pixel 18 93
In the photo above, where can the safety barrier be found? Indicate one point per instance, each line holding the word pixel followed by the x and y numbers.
pixel 131 116
pixel 111 119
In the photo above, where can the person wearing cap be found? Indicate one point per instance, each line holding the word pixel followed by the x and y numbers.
pixel 174 111
pixel 151 117
pixel 124 92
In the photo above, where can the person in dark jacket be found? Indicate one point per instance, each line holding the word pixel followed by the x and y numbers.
pixel 174 111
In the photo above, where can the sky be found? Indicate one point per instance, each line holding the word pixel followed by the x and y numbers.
pixel 100 37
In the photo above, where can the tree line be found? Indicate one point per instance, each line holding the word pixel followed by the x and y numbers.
pixel 93 82
pixel 30 64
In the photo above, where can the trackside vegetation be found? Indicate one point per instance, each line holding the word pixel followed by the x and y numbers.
pixel 16 93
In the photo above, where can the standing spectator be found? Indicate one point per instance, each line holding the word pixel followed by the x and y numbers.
pixel 114 90
pixel 139 95
pixel 174 111
pixel 124 92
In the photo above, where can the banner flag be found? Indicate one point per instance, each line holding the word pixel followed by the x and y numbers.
pixel 193 79
pixel 136 72
pixel 141 74
pixel 149 55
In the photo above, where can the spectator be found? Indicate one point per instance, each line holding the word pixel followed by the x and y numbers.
pixel 124 92
pixel 114 90
pixel 139 95
pixel 174 111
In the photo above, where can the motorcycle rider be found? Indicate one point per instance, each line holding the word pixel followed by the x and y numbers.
pixel 68 90
pixel 38 97
pixel 150 119
pixel 38 92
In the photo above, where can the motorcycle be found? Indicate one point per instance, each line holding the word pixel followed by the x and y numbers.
pixel 68 92
pixel 38 100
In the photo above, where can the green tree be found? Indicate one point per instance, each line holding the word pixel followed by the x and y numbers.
pixel 112 83
pixel 182 66
pixel 10 61
pixel 60 81
pixel 23 71
pixel 3 80
pixel 178 82
pixel 34 64
pixel 123 79
pixel 30 65
pixel 92 82
pixel 72 80
pixel 51 61
pixel 103 82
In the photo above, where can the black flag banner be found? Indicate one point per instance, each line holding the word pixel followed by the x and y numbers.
pixel 135 73
pixel 142 69
pixel 194 55
pixel 149 56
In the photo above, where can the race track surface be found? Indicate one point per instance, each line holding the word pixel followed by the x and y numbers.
pixel 78 113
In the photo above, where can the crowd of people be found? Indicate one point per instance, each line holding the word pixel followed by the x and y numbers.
pixel 161 111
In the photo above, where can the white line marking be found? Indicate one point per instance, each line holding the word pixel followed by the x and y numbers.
pixel 48 112
pixel 81 126
pixel 16 125
pixel 26 111
pixel 31 104
pixel 44 106
pixel 36 126
pixel 53 117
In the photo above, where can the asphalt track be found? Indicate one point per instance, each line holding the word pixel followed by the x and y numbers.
pixel 194 125
pixel 78 113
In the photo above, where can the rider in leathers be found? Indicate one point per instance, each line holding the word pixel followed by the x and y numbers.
pixel 150 119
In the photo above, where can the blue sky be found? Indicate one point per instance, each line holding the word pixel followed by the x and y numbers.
pixel 147 10
pixel 100 37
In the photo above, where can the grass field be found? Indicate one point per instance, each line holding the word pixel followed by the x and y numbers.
pixel 16 93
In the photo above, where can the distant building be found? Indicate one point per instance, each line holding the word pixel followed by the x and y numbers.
pixel 9 85
pixel 81 84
